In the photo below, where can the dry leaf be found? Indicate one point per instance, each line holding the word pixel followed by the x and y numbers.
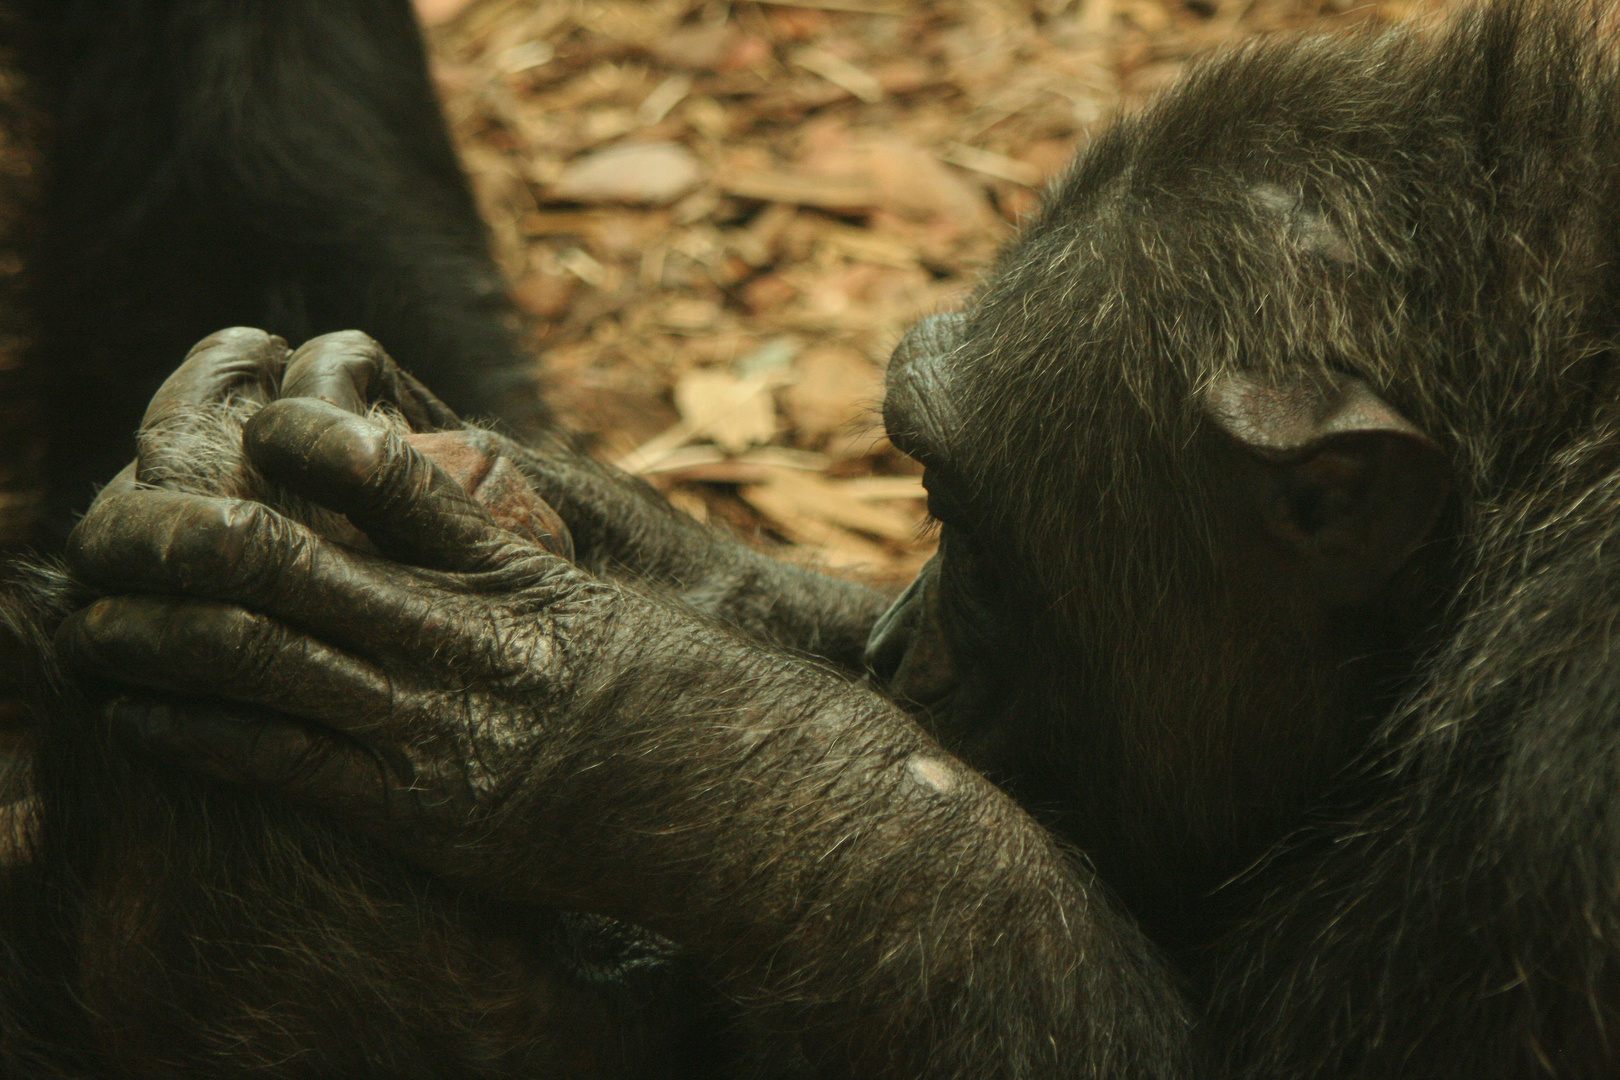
pixel 543 295
pixel 914 182
pixel 792 498
pixel 887 487
pixel 866 245
pixel 688 501
pixel 836 388
pixel 830 542
pixel 840 72
pixel 832 548
pixel 690 313
pixel 637 172
pixel 830 192
pixel 699 47
pixel 768 292
pixel 991 163
pixel 735 413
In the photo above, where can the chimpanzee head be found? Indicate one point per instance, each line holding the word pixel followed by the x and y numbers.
pixel 1206 447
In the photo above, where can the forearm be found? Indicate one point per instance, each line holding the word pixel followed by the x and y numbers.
pixel 504 718
pixel 832 867
pixel 623 528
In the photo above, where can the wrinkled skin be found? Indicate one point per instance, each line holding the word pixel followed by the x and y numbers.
pixel 501 716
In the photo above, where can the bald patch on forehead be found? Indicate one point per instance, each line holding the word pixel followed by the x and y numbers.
pixel 1307 229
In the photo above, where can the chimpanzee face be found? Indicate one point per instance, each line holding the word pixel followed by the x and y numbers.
pixel 1170 615
pixel 947 646
pixel 910 649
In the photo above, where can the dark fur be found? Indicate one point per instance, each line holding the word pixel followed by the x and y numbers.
pixel 271 163
pixel 1417 800
pixel 1454 240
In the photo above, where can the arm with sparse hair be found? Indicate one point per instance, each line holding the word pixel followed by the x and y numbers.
pixel 501 717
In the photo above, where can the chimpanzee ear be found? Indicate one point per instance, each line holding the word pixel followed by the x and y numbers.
pixel 1338 474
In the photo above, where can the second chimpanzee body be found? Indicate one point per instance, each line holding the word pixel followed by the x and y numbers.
pixel 1276 467
pixel 274 163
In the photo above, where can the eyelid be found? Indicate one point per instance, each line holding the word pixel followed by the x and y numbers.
pixel 941 510
pixel 941 506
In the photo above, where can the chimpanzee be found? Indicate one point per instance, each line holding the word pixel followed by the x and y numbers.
pixel 1277 468
pixel 279 163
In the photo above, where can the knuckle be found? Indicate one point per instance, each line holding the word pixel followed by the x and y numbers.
pixel 217 544
pixel 92 631
pixel 357 451
pixel 283 752
pixel 392 477
pixel 248 523
pixel 269 550
pixel 235 340
pixel 99 622
pixel 111 633
pixel 207 536
pixel 237 643
pixel 355 341
pixel 88 541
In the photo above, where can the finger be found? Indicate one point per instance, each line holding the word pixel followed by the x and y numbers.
pixel 269 753
pixel 245 553
pixel 201 648
pixel 473 460
pixel 350 370
pixel 234 363
pixel 94 518
pixel 238 362
pixel 411 509
pixel 124 481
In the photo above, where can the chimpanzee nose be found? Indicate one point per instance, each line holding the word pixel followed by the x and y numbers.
pixel 919 412
pixel 937 335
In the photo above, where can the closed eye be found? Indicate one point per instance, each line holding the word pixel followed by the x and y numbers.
pixel 943 507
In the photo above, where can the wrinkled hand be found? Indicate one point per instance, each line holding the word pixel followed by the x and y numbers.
pixel 488 709
pixel 500 715
pixel 605 520
pixel 350 370
pixel 403 690
pixel 437 676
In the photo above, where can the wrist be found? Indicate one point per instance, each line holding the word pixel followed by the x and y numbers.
pixel 767 778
